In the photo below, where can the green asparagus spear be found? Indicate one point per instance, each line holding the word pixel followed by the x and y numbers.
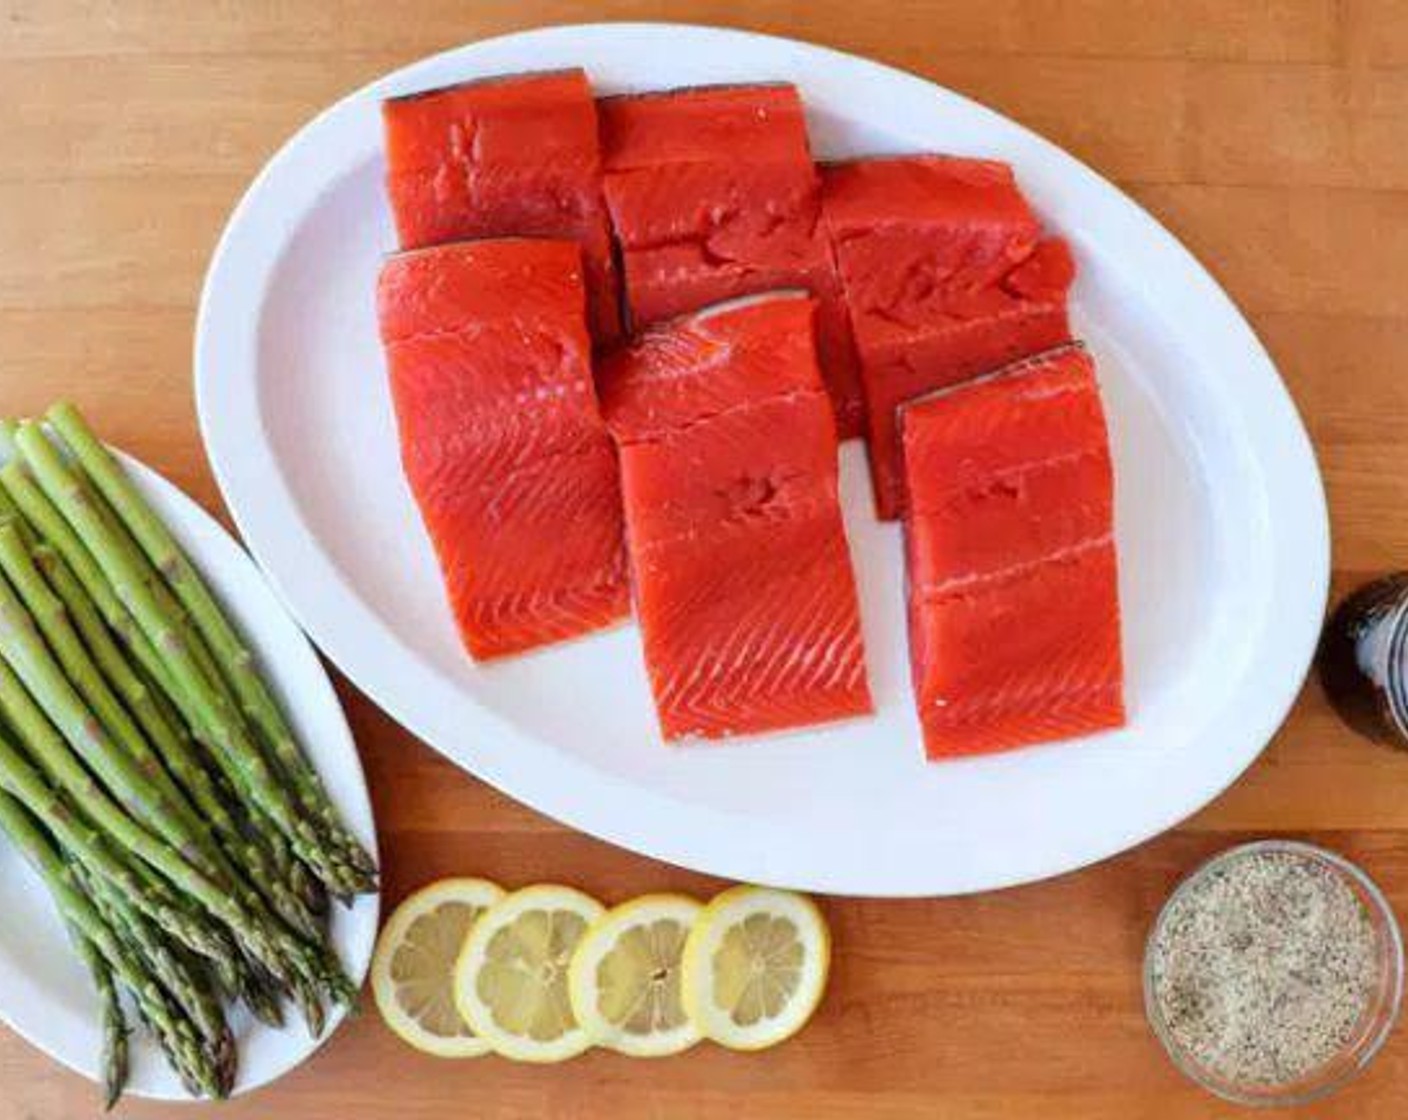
pixel 177 1035
pixel 209 710
pixel 114 1056
pixel 265 852
pixel 234 660
pixel 181 984
pixel 261 994
pixel 160 724
pixel 197 1083
pixel 140 698
pixel 165 706
pixel 119 538
pixel 49 524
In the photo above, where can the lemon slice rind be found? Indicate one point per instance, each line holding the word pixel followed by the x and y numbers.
pixel 603 940
pixel 727 912
pixel 480 1014
pixel 478 893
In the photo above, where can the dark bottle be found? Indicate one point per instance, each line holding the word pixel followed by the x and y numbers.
pixel 1364 660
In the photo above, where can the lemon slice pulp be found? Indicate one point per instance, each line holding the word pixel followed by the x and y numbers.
pixel 414 966
pixel 625 977
pixel 511 979
pixel 755 967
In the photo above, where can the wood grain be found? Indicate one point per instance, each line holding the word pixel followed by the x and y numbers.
pixel 1269 135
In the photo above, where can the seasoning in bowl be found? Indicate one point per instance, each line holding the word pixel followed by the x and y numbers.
pixel 1276 967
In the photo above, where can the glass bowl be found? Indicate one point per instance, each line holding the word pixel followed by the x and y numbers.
pixel 1374 1026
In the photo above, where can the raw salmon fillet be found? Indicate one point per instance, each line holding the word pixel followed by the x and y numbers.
pixel 1014 615
pixel 742 574
pixel 515 156
pixel 713 195
pixel 947 275
pixel 502 440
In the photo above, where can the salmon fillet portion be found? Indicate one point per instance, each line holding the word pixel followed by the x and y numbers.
pixel 502 441
pixel 742 573
pixel 713 195
pixel 1013 580
pixel 514 156
pixel 947 275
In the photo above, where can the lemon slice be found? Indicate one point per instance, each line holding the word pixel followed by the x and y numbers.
pixel 625 977
pixel 755 967
pixel 511 979
pixel 414 966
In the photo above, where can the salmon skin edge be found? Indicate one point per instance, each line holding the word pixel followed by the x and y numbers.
pixel 485 80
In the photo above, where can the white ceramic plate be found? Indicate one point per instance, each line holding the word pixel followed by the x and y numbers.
pixel 1221 519
pixel 45 994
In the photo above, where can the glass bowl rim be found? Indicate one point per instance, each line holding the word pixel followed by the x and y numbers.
pixel 1368 1048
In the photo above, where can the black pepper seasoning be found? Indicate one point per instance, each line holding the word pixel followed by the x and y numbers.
pixel 1265 967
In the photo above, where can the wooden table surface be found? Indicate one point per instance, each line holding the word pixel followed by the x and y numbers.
pixel 1271 136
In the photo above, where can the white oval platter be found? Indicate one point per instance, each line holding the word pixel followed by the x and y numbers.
pixel 1222 528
